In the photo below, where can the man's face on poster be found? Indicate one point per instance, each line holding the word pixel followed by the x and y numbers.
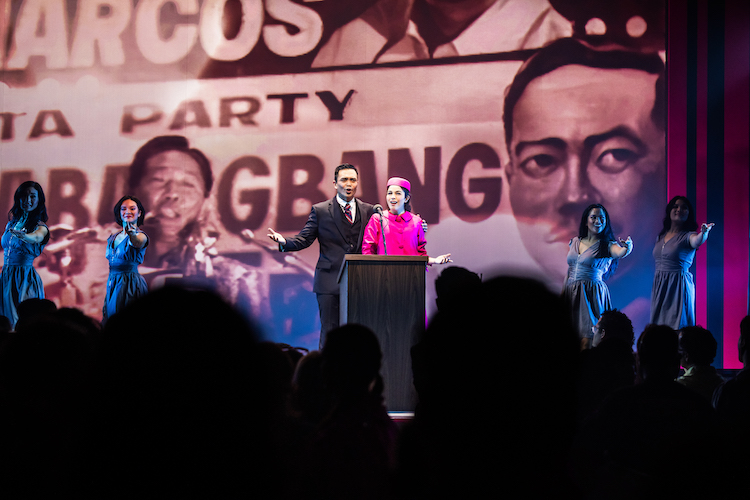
pixel 173 190
pixel 584 135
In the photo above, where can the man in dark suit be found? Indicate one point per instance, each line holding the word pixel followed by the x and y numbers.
pixel 338 224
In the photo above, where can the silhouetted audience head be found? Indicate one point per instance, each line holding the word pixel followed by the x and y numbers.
pixel 311 399
pixel 732 403
pixel 45 372
pixel 79 320
pixel 279 366
pixel 744 341
pixel 32 310
pixel 609 366
pixel 4 325
pixel 627 449
pixel 294 354
pixel 658 353
pixel 452 285
pixel 351 360
pixel 190 402
pixel 462 347
pixel 614 324
pixel 352 452
pixel 508 361
pixel 697 346
pixel 50 355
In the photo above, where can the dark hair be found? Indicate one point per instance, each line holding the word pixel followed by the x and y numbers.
pixel 39 214
pixel 658 349
pixel 351 359
pixel 344 166
pixel 699 344
pixel 141 210
pixel 745 327
pixel 164 143
pixel 744 336
pixel 569 51
pixel 690 224
pixel 454 287
pixel 454 281
pixel 617 325
pixel 32 310
pixel 605 237
pixel 4 324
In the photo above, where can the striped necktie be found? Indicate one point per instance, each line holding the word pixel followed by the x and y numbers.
pixel 348 213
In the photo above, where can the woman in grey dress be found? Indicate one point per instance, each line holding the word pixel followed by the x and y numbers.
pixel 592 258
pixel 23 240
pixel 125 251
pixel 673 291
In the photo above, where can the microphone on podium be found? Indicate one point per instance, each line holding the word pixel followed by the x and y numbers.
pixel 378 209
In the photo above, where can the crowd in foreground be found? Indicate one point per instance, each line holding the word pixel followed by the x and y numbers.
pixel 177 396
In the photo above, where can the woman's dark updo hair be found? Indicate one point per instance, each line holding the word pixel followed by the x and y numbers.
pixel 141 210
pixel 39 214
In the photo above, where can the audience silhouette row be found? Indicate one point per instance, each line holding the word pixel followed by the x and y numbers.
pixel 178 396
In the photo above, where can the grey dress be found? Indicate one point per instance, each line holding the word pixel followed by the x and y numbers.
pixel 585 290
pixel 673 291
pixel 124 282
pixel 19 280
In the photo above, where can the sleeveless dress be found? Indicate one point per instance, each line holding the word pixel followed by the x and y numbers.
pixel 585 290
pixel 124 282
pixel 19 280
pixel 673 291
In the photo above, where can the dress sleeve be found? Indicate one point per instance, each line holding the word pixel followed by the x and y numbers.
pixel 371 236
pixel 48 235
pixel 305 237
pixel 686 240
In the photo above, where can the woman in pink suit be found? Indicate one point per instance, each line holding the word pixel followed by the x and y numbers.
pixel 404 231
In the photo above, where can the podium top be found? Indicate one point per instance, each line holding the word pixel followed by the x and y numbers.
pixel 385 259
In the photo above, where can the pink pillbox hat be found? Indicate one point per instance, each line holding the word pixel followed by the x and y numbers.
pixel 399 181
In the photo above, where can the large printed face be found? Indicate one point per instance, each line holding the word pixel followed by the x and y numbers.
pixel 173 189
pixel 580 136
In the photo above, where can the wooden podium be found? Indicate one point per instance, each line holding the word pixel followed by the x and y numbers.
pixel 387 294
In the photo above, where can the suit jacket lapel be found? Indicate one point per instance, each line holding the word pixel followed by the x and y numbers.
pixel 333 207
pixel 363 223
